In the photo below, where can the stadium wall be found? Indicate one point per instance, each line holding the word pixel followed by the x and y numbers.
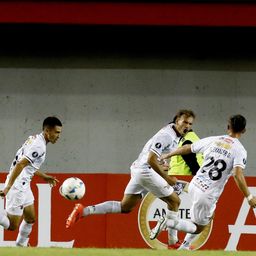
pixel 109 113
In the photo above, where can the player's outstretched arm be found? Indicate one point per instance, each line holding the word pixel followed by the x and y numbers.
pixel 241 183
pixel 184 150
pixel 48 178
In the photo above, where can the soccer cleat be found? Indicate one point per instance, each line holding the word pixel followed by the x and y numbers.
pixel 161 224
pixel 185 247
pixel 175 246
pixel 75 215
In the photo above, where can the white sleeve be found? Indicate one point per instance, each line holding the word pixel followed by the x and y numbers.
pixel 159 143
pixel 32 153
pixel 240 158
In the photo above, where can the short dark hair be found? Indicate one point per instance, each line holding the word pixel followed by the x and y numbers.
pixel 186 112
pixel 237 123
pixel 51 121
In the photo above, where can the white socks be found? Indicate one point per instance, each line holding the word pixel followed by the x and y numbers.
pixel 187 241
pixel 103 208
pixel 24 232
pixel 4 220
pixel 172 233
pixel 189 238
pixel 182 225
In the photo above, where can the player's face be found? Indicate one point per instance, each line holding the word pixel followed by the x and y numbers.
pixel 184 124
pixel 53 134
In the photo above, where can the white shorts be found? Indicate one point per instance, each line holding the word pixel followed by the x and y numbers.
pixel 203 205
pixel 147 180
pixel 17 199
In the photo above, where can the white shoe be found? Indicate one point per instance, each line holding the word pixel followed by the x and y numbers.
pixel 161 224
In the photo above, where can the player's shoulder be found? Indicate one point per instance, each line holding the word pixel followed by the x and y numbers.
pixel 37 140
pixel 169 133
pixel 210 138
pixel 239 146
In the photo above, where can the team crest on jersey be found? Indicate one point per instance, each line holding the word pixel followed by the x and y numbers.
pixel 35 154
pixel 158 145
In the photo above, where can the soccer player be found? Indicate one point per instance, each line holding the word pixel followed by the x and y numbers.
pixel 147 174
pixel 183 165
pixel 17 191
pixel 223 156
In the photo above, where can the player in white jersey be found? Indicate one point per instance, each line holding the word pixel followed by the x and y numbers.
pixel 147 174
pixel 223 156
pixel 17 191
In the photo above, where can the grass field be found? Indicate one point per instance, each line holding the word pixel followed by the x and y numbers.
pixel 111 252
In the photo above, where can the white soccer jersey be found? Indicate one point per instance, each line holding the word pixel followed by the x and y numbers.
pixel 34 150
pixel 221 155
pixel 163 141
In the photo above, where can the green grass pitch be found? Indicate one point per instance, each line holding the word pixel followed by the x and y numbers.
pixel 111 252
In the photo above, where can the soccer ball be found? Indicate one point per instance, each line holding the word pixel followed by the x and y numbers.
pixel 72 188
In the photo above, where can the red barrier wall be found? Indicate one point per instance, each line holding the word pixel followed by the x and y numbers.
pixel 117 230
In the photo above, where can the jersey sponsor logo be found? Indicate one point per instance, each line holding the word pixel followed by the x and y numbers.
pixel 158 145
pixel 152 208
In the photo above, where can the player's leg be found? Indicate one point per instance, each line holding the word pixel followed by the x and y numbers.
pixel 173 222
pixel 201 212
pixel 189 238
pixel 158 186
pixel 10 218
pixel 29 218
pixel 14 221
pixel 173 202
pixel 125 206
pixel 4 220
pixel 131 198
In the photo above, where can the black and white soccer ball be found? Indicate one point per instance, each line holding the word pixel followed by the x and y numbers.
pixel 72 188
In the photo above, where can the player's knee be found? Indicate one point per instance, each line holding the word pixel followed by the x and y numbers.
pixel 13 226
pixel 31 220
pixel 126 209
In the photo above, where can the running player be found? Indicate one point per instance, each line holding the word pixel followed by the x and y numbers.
pixel 183 165
pixel 223 156
pixel 147 174
pixel 17 191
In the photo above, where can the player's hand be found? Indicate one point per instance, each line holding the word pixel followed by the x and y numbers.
pixel 165 165
pixel 2 194
pixel 252 202
pixel 51 180
pixel 180 186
